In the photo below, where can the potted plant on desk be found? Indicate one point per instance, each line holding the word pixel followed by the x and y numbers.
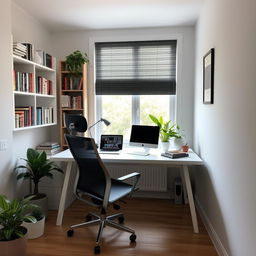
pixel 38 166
pixel 167 131
pixel 12 233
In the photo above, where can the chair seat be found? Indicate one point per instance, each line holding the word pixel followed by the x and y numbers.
pixel 119 189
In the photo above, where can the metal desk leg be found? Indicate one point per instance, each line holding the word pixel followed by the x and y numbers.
pixel 64 194
pixel 190 198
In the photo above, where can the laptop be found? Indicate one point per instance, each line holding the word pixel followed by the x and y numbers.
pixel 111 144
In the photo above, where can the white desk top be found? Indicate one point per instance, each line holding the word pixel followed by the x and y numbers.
pixel 154 158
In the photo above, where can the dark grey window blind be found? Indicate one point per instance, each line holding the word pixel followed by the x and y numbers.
pixel 136 68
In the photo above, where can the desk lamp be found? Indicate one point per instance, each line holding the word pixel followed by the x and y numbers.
pixel 105 121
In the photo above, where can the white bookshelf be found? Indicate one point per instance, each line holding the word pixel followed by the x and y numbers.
pixel 33 99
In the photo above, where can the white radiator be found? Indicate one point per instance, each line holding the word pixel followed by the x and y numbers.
pixel 153 178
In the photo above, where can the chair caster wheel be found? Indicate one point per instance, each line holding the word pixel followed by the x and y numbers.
pixel 88 218
pixel 70 233
pixel 121 220
pixel 116 207
pixel 97 249
pixel 133 238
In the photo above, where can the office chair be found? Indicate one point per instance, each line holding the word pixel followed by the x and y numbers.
pixel 75 123
pixel 94 181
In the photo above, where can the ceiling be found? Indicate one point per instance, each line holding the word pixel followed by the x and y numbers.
pixel 62 15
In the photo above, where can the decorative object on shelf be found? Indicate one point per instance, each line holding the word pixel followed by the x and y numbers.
pixel 75 61
pixel 35 229
pixel 38 166
pixel 208 77
pixel 185 148
pixel 12 233
pixel 105 121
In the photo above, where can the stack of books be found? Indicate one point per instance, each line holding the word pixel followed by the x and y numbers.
pixel 175 154
pixel 19 50
pixel 50 148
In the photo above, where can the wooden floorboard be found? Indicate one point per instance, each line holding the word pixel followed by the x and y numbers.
pixel 162 228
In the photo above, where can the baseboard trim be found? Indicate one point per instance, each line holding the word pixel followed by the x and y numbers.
pixel 210 229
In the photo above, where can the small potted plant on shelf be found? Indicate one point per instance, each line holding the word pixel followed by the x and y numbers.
pixel 12 233
pixel 37 167
pixel 168 130
pixel 74 63
pixel 35 229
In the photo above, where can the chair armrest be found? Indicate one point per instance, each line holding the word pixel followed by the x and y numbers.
pixel 131 175
pixel 128 176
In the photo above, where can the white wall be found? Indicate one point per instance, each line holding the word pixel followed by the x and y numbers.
pixel 225 131
pixel 6 102
pixel 67 42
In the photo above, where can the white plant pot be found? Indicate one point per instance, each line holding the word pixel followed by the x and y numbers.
pixel 165 146
pixel 35 230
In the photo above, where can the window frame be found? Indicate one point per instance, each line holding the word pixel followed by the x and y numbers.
pixel 92 98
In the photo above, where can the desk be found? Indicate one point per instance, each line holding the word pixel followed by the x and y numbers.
pixel 154 158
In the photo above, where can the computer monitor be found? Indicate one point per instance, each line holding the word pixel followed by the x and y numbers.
pixel 144 136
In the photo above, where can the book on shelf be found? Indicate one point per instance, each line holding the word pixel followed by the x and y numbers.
pixel 45 59
pixel 44 86
pixel 23 82
pixel 30 51
pixel 175 154
pixel 23 117
pixel 72 83
pixel 44 115
pixel 74 102
pixel 19 50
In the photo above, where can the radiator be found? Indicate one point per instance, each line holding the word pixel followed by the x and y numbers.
pixel 153 178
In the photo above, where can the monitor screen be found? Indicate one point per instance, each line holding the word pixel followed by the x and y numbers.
pixel 145 136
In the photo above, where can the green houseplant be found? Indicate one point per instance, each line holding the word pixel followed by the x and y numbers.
pixel 75 61
pixel 168 130
pixel 12 233
pixel 37 167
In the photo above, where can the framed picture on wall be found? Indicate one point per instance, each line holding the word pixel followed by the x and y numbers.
pixel 208 77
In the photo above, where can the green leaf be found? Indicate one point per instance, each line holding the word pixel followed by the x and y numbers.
pixel 3 203
pixel 30 219
pixel 155 120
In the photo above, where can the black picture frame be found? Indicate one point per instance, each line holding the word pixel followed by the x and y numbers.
pixel 208 77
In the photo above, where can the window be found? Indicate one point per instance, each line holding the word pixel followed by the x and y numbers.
pixel 133 80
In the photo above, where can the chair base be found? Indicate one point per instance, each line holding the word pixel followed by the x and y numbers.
pixel 103 221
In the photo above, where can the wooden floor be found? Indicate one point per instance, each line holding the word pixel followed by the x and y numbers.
pixel 162 228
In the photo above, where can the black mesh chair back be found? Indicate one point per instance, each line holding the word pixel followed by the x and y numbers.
pixel 75 123
pixel 92 175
